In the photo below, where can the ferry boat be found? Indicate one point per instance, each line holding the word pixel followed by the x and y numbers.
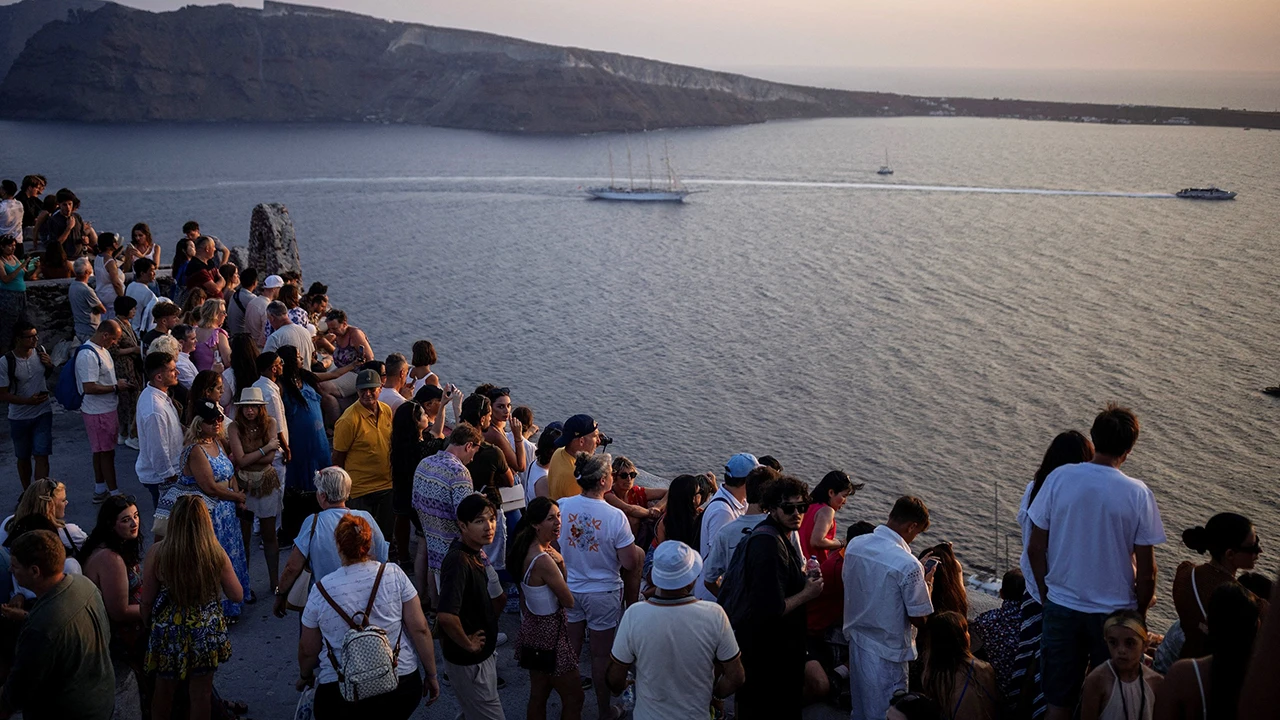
pixel 1210 193
pixel 673 192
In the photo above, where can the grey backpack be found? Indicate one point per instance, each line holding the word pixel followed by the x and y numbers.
pixel 369 666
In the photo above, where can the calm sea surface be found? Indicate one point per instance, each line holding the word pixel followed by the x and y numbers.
pixel 926 341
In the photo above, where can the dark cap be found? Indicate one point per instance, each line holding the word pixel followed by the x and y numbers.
pixel 574 428
pixel 207 410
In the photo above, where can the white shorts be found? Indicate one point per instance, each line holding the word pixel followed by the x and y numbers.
pixel 601 610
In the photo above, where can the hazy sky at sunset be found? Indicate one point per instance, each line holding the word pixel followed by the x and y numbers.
pixel 1087 34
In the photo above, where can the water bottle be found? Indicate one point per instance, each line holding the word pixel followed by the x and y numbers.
pixel 629 699
pixel 812 568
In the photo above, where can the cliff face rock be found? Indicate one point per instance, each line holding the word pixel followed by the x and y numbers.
pixel 273 244
pixel 20 21
pixel 292 63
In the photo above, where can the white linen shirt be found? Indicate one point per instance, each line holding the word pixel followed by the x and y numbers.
pixel 11 218
pixel 186 370
pixel 275 405
pixel 1095 515
pixel 723 509
pixel 159 437
pixel 883 586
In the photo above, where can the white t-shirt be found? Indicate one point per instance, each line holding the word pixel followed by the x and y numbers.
pixel 883 586
pixel 294 335
pixel 1095 515
pixel 100 370
pixel 349 587
pixel 275 404
pixel 30 381
pixel 71 535
pixel 674 645
pixel 521 476
pixel 591 533
pixel 1024 562
pixel 144 297
pixel 716 563
pixel 723 509
pixel 391 398
pixel 536 473
pixel 186 370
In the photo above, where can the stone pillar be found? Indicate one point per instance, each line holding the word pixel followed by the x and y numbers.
pixel 273 246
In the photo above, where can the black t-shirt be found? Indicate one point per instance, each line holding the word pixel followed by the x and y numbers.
pixel 464 591
pixel 31 209
pixel 488 464
pixel 774 571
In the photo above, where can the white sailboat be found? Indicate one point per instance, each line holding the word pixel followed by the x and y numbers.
pixel 885 169
pixel 673 192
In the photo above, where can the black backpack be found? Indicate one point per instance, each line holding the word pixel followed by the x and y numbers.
pixel 733 588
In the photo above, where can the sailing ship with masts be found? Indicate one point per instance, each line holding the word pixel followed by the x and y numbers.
pixel 673 192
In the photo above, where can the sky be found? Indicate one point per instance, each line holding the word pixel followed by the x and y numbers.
pixel 1214 35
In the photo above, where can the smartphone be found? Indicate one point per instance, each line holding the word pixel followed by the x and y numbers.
pixel 931 563
pixel 40 349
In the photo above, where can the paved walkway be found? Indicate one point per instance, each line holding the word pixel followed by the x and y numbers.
pixel 263 667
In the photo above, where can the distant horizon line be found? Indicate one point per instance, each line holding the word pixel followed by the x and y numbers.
pixel 735 67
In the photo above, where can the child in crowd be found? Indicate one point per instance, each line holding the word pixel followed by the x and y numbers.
pixel 1123 688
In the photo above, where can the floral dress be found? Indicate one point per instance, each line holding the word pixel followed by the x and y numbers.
pixel 186 641
pixel 128 367
pixel 223 512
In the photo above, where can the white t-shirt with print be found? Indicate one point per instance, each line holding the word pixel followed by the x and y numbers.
pixel 591 533
pixel 1095 515
pixel 674 647
pixel 349 587
pixel 101 371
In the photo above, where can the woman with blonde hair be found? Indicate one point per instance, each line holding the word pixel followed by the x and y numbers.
pixel 46 497
pixel 209 475
pixel 213 345
pixel 182 579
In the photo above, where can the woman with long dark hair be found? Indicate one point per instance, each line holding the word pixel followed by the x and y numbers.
pixel 948 594
pixel 1233 546
pixel 112 559
pixel 410 443
pixel 680 521
pixel 818 528
pixel 1025 691
pixel 242 371
pixel 1209 687
pixel 964 686
pixel 207 386
pixel 544 596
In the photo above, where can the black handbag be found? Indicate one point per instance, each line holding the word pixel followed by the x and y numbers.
pixel 541 660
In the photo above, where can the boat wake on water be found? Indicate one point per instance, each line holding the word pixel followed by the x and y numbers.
pixel 694 182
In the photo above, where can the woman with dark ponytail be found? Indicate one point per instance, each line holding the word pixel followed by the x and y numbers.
pixel 1025 693
pixel 542 645
pixel 1233 546
pixel 1209 687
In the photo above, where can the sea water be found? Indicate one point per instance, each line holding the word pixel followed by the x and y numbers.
pixel 928 332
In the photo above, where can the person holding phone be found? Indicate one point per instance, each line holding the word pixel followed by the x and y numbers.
pixel 886 599
pixel 23 387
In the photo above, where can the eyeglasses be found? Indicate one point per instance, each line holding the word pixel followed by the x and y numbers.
pixel 628 475
pixel 32 336
pixel 793 508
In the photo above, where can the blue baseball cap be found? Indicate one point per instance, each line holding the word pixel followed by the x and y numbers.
pixel 740 465
pixel 574 428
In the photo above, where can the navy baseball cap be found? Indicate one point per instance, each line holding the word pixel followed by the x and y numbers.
pixel 576 427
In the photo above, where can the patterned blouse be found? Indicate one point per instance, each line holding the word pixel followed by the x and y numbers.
pixel 999 629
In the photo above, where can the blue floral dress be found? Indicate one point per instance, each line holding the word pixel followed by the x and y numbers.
pixel 223 512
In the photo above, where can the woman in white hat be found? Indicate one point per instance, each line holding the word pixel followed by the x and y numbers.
pixel 255 440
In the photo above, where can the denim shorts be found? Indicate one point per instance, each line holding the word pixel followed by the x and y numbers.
pixel 1071 642
pixel 32 437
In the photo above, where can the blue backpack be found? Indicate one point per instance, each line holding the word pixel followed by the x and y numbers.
pixel 68 393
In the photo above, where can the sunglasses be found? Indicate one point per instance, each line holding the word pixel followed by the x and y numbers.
pixel 793 508
pixel 1253 549
pixel 629 475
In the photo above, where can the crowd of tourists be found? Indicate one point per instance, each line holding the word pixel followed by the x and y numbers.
pixel 413 515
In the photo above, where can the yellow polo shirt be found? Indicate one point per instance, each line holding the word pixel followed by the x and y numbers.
pixel 367 443
pixel 560 481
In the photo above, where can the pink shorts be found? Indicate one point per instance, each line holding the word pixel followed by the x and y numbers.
pixel 103 431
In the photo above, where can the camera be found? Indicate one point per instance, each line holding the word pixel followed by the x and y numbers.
pixel 605 440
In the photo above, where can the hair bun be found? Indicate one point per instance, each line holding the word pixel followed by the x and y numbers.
pixel 1196 538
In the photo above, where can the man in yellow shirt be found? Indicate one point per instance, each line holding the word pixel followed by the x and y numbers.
pixel 580 434
pixel 362 447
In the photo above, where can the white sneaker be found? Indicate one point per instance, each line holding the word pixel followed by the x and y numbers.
pixel 131 443
pixel 120 439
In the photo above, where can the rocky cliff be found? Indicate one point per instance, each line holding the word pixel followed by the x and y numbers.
pixel 295 63
pixel 20 21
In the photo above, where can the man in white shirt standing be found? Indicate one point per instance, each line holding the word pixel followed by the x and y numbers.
pixel 96 374
pixel 288 333
pixel 144 273
pixel 716 562
pixel 675 643
pixel 255 313
pixel 596 542
pixel 270 367
pixel 159 428
pixel 1092 553
pixel 728 504
pixel 397 369
pixel 886 597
